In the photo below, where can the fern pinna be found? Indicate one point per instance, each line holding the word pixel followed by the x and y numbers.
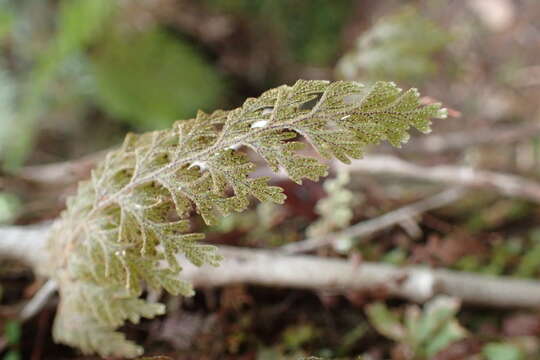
pixel 126 225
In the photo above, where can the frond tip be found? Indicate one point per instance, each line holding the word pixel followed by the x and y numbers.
pixel 128 223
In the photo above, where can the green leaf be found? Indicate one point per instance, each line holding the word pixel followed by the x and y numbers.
pixel 8 113
pixel 151 78
pixel 13 355
pixel 295 337
pixel 502 351
pixel 425 332
pixel 334 209
pixel 72 36
pixel 13 331
pixel 6 19
pixel 399 47
pixel 127 224
pixel 9 207
pixel 449 333
pixel 530 262
pixel 386 322
pixel 436 315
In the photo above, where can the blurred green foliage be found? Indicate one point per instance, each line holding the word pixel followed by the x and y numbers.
pixel 12 334
pixel 400 47
pixel 8 125
pixel 293 340
pixel 296 336
pixel 502 351
pixel 87 50
pixel 6 18
pixel 489 217
pixel 518 256
pixel 310 29
pixel 9 207
pixel 151 78
pixel 424 332
pixel 71 36
pixel 335 209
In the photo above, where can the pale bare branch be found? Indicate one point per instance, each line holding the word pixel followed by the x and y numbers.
pixel 379 223
pixel 271 268
pixel 458 141
pixel 506 184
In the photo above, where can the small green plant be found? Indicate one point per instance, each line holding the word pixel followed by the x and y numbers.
pixel 127 224
pixel 421 333
pixel 516 256
pixel 502 351
pixel 335 210
pixel 407 36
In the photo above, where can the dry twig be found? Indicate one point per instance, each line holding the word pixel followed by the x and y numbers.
pixel 379 223
pixel 463 140
pixel 270 268
pixel 506 184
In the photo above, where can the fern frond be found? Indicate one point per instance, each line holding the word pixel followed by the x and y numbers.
pixel 129 221
pixel 405 35
pixel 335 210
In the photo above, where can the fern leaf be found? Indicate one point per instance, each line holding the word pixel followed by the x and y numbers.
pixel 88 315
pixel 406 35
pixel 334 210
pixel 127 223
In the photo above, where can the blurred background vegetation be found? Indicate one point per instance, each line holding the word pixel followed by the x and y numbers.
pixel 77 75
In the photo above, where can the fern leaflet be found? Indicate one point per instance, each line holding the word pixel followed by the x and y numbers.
pixel 127 223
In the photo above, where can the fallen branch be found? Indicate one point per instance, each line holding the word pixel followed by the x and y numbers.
pixel 60 173
pixel 506 184
pixel 25 243
pixel 39 300
pixel 415 283
pixel 462 140
pixel 379 223
pixel 270 268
